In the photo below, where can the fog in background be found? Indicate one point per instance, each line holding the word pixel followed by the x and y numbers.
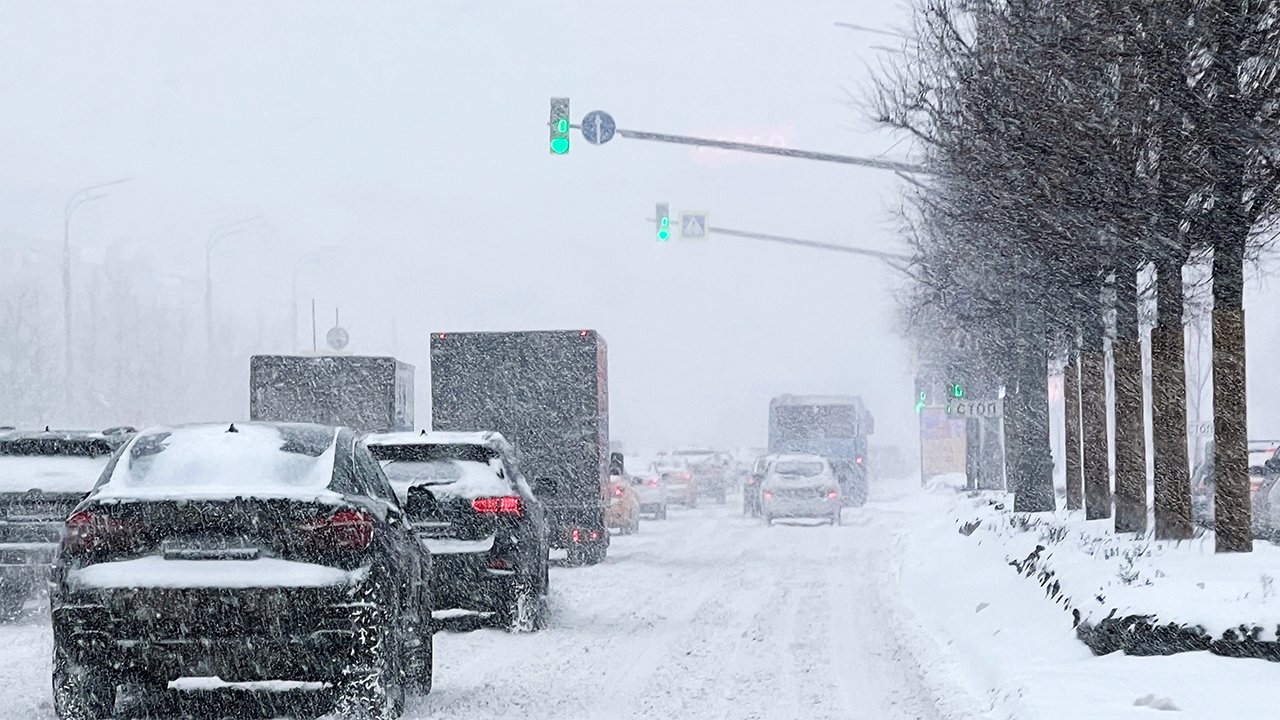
pixel 408 140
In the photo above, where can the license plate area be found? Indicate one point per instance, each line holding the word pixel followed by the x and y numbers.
pixel 209 549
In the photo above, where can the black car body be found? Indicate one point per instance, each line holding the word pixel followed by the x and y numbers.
pixel 246 552
pixel 470 505
pixel 43 475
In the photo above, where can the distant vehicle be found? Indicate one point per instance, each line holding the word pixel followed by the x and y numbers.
pixel 43 475
pixel 487 532
pixel 1264 477
pixel 371 394
pixel 680 484
pixel 710 472
pixel 652 492
pixel 836 427
pixel 800 486
pixel 548 393
pixel 624 505
pixel 247 552
pixel 751 485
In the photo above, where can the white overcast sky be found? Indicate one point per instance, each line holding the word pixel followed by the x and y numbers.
pixel 412 135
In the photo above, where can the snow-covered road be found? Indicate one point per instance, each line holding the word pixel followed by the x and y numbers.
pixel 705 615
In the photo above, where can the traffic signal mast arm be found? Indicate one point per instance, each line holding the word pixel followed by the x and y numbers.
pixel 770 150
pixel 890 258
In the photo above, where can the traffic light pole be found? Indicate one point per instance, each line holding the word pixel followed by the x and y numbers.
pixel 888 257
pixel 770 150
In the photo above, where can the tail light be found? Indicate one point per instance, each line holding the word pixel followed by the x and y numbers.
pixel 506 505
pixel 768 495
pixel 617 491
pixel 346 529
pixel 832 494
pixel 651 483
pixel 857 459
pixel 88 532
pixel 575 535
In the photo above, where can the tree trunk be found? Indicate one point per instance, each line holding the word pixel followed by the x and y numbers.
pixel 1232 513
pixel 1071 401
pixel 1169 408
pixel 1093 426
pixel 1131 445
pixel 1034 464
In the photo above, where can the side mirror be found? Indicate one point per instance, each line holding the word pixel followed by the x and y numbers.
pixel 1272 465
pixel 1257 470
pixel 637 481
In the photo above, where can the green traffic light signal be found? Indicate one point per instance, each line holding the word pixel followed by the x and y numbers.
pixel 957 390
pixel 559 126
pixel 662 216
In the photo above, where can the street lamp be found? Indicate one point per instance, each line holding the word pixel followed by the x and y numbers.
pixel 877 31
pixel 218 233
pixel 78 198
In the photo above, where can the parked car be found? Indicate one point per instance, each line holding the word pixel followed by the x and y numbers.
pixel 652 492
pixel 751 485
pixel 43 476
pixel 487 531
pixel 252 551
pixel 709 470
pixel 800 486
pixel 624 505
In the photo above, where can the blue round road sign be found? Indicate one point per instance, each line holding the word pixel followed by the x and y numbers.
pixel 598 127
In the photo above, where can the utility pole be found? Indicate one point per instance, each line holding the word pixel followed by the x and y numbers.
pixel 218 233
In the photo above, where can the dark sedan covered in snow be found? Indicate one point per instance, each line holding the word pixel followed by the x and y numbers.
pixel 247 552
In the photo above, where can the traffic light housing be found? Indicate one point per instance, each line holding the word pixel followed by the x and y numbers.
pixel 662 221
pixel 559 125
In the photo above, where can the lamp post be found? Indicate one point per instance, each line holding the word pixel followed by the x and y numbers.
pixel 218 233
pixel 77 199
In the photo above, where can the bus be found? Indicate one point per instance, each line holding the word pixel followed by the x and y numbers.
pixel 834 426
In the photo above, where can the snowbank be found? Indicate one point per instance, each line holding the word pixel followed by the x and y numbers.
pixel 992 643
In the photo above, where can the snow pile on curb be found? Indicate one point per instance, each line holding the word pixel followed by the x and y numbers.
pixel 1137 594
pixel 991 643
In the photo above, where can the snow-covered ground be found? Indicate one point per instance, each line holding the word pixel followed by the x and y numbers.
pixel 712 615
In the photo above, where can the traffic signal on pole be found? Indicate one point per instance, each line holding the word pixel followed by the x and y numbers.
pixel 662 218
pixel 957 390
pixel 559 125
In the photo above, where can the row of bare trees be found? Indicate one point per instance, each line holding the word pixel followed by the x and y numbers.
pixel 1071 147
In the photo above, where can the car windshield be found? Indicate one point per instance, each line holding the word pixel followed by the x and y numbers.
pixel 803 468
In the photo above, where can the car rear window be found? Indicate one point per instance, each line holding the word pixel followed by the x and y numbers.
pixel 458 478
pixel 214 460
pixel 803 468
pixel 50 473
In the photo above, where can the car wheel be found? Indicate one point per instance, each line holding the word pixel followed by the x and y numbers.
pixel 371 685
pixel 768 520
pixel 521 611
pixel 576 554
pixel 81 691
pixel 721 498
pixel 835 518
pixel 662 512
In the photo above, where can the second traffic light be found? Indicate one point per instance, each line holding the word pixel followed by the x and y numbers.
pixel 559 125
pixel 662 221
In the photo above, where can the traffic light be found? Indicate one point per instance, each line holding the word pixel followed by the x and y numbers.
pixel 662 218
pixel 559 126
pixel 957 390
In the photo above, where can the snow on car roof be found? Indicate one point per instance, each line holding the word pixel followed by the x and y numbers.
pixel 50 473
pixel 247 459
pixel 797 457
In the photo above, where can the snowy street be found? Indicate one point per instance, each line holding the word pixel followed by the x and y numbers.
pixel 708 614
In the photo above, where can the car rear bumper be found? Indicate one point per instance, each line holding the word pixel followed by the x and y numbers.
pixel 237 635
pixel 652 507
pixel 464 581
pixel 814 507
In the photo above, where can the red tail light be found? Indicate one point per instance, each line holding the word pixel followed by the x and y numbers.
pixel 575 535
pixel 93 531
pixel 651 483
pixel 349 529
pixel 617 491
pixel 768 495
pixel 858 459
pixel 832 494
pixel 506 505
